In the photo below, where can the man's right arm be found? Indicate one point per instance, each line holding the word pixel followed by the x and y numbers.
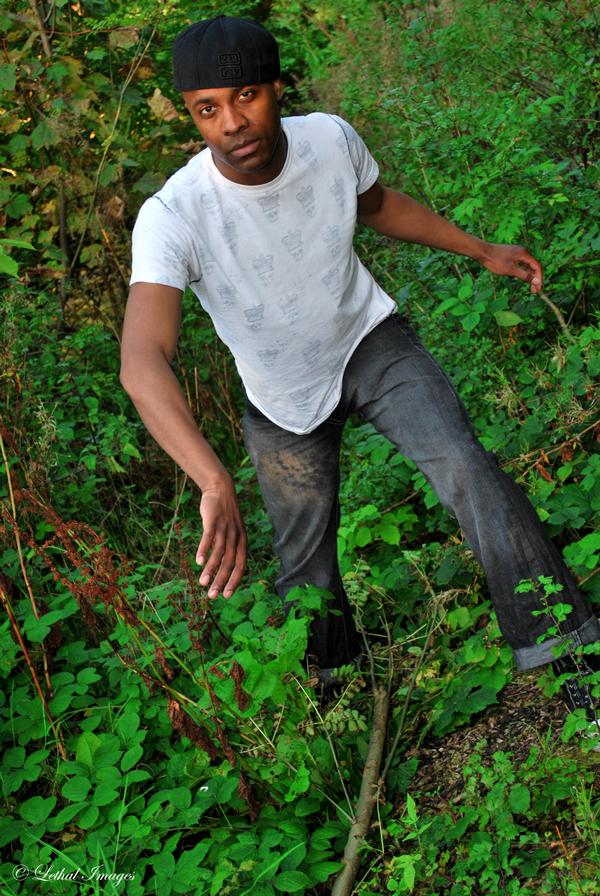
pixel 150 333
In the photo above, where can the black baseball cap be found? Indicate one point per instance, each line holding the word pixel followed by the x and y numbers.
pixel 224 52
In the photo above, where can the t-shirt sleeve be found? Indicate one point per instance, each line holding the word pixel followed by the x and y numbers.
pixel 365 166
pixel 160 247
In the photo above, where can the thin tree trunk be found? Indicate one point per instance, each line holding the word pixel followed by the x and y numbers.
pixel 367 796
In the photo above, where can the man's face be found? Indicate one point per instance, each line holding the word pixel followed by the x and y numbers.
pixel 242 128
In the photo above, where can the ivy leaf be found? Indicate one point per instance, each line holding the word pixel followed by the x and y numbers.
pixel 470 321
pixel 519 798
pixel 300 784
pixel 14 757
pixel 363 536
pixel 466 287
pixel 7 264
pixel 20 244
pixel 131 757
pixel 37 809
pixel 507 318
pixel 292 882
pixel 321 871
pixel 87 744
pixel 411 809
pixel 76 789
pixel 44 135
pixel 389 533
pixel 104 794
pixel 88 817
pixel 8 77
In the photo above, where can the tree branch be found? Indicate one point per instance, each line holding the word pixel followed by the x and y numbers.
pixel 369 790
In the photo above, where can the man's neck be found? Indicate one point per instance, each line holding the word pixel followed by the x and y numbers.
pixel 263 175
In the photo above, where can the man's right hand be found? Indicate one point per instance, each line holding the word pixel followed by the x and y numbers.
pixel 222 549
pixel 148 347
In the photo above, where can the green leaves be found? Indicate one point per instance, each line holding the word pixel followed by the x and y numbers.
pixel 45 134
pixel 37 809
pixel 131 758
pixel 299 785
pixel 8 77
pixel 507 318
pixel 365 525
pixel 76 789
pixel 472 690
pixel 9 265
pixel 519 798
pixel 87 744
pixel 291 882
pixel 584 554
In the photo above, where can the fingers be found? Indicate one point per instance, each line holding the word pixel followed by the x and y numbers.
pixel 204 546
pixel 218 547
pixel 225 566
pixel 222 548
pixel 536 279
pixel 515 261
pixel 238 569
pixel 533 274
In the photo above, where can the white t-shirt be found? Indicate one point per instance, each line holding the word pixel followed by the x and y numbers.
pixel 274 265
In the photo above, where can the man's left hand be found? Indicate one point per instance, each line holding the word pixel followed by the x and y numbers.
pixel 514 261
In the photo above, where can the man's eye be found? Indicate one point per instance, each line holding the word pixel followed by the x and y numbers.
pixel 246 94
pixel 206 109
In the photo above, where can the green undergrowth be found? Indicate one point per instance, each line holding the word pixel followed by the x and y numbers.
pixel 153 741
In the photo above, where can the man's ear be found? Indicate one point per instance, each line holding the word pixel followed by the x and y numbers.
pixel 278 88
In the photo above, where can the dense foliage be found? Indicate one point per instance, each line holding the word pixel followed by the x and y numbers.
pixel 176 743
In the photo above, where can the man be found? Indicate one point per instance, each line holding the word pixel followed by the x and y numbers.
pixel 260 226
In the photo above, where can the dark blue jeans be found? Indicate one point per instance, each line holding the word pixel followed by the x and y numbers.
pixel 392 382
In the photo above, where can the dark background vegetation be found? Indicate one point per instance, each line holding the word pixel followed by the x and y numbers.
pixel 148 731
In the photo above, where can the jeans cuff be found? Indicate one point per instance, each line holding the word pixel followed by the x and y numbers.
pixel 539 654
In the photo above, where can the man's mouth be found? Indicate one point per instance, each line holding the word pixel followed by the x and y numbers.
pixel 245 149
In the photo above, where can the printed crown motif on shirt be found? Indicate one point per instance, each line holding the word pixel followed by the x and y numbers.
pixel 331 238
pixel 254 316
pixel 333 282
pixel 338 192
pixel 228 294
pixel 293 243
pixel 268 356
pixel 206 259
pixel 306 198
pixel 228 231
pixel 270 206
pixel 307 154
pixel 289 306
pixel 263 265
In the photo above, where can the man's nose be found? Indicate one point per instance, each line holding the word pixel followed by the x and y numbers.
pixel 233 120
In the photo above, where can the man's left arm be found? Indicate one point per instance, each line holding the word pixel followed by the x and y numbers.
pixel 397 215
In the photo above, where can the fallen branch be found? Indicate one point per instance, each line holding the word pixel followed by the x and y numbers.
pixel 369 789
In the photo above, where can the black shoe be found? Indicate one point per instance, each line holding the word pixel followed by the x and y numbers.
pixel 576 690
pixel 330 686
